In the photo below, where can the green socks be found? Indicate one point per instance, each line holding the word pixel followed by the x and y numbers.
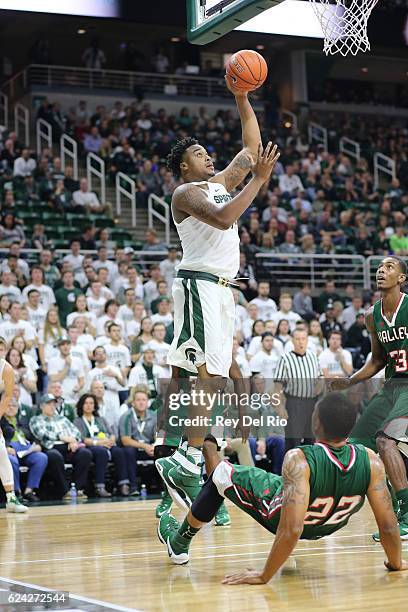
pixel 402 497
pixel 180 541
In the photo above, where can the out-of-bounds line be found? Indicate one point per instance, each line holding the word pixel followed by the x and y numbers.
pixel 105 604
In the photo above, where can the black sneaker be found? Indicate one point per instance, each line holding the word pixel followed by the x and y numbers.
pixel 135 492
pixel 31 497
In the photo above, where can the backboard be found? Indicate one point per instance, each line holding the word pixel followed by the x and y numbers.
pixel 207 20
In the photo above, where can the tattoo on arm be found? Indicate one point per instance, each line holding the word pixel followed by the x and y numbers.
pixel 238 170
pixel 192 200
pixel 293 473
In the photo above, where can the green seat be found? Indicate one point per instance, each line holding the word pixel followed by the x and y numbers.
pixel 120 234
pixel 103 222
pixel 52 218
pixel 68 233
pixel 60 244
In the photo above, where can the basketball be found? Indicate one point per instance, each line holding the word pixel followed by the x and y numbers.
pixel 247 70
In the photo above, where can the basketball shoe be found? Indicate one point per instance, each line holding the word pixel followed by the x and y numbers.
pixel 181 475
pixel 167 532
pixel 14 505
pixel 222 518
pixel 164 504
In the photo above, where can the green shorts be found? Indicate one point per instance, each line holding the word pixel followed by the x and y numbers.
pixel 256 492
pixel 386 412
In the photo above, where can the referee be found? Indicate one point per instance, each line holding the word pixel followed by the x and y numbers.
pixel 297 375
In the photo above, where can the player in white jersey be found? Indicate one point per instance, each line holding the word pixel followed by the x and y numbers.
pixel 206 215
pixel 6 471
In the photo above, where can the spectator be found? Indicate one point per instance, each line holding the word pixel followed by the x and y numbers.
pixel 51 272
pixel 160 347
pixel 349 314
pixel 266 360
pixel 335 361
pixel 23 452
pixel 62 408
pixel 147 373
pixel 399 242
pixel 266 306
pixel 285 312
pixel 302 303
pixel 85 200
pixel 16 326
pixel 357 335
pixel 161 62
pixel 163 314
pixel 67 370
pixel 11 231
pixel 60 440
pixel 113 381
pixel 24 165
pixel 330 323
pixel 93 56
pixel 93 141
pixel 283 332
pixel 47 297
pixel 88 238
pixel 49 337
pixel 117 352
pixel 168 266
pixel 24 377
pixel 152 242
pixel 101 441
pixel 328 295
pixel 81 310
pixel 66 296
pixel 9 288
pixel 290 183
pixel 137 428
pixel 15 263
pixel 316 341
pixel 36 314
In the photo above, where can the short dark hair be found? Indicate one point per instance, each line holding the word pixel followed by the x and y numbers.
pixel 402 264
pixel 337 415
pixel 175 157
pixel 32 291
pixel 81 402
pixel 335 332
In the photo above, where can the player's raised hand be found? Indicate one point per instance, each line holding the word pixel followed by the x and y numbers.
pixel 266 161
pixel 247 577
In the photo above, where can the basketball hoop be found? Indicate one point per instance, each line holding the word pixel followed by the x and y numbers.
pixel 344 24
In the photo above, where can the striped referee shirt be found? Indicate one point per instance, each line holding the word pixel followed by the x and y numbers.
pixel 298 374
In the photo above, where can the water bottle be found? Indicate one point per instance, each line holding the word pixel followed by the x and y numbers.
pixel 73 493
pixel 143 492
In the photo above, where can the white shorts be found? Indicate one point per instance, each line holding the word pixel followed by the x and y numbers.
pixel 204 317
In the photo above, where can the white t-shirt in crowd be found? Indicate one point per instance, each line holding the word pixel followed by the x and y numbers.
pixel 290 316
pixel 101 321
pixel 118 356
pixel 266 307
pixel 87 315
pixel 133 328
pixel 111 409
pixel 166 319
pixel 243 365
pixel 331 361
pixel 9 330
pixel 75 372
pixel 75 261
pixel 256 344
pixel 47 297
pixel 265 364
pixel 12 292
pixel 110 265
pixel 96 304
pixel 161 350
pixel 79 352
pixel 36 317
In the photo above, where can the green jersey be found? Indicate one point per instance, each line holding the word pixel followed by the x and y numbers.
pixel 393 337
pixel 339 479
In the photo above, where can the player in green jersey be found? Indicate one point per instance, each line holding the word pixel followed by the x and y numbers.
pixel 384 422
pixel 320 488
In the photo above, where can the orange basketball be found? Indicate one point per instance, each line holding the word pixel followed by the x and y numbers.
pixel 247 70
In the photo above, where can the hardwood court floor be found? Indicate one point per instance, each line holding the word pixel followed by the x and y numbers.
pixel 110 552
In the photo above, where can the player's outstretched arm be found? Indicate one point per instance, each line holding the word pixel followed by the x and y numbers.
pixel 296 492
pixel 380 501
pixel 8 381
pixel 238 169
pixel 373 365
pixel 192 200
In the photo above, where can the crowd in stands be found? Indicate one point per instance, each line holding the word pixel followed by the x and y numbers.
pixel 87 333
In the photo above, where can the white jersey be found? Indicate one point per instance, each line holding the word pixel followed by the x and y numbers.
pixel 206 248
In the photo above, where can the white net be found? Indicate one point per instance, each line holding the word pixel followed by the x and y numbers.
pixel 344 24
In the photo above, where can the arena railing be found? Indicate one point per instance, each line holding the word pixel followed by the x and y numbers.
pixel 22 123
pixel 43 135
pixel 350 147
pixel 383 164
pixel 95 167
pixel 152 82
pixel 69 148
pixel 318 133
pixel 289 270
pixel 153 214
pixel 126 186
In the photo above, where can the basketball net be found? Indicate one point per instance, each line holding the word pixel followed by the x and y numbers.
pixel 344 25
